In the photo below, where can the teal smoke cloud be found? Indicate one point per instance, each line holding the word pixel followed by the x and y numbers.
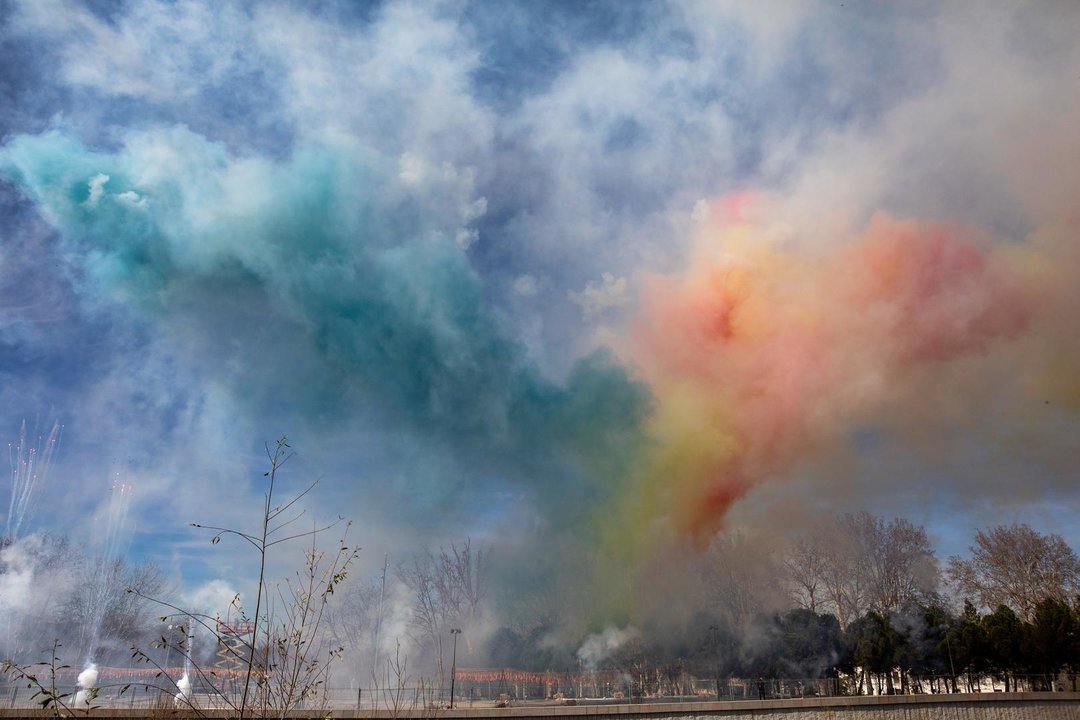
pixel 328 286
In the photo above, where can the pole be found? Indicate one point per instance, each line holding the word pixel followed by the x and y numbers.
pixel 716 648
pixel 378 619
pixel 453 665
pixel 952 668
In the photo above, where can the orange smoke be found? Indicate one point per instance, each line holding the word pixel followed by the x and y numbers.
pixel 763 350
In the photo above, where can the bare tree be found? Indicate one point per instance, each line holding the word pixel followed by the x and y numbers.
pixel 805 566
pixel 300 650
pixel 743 578
pixel 860 562
pixel 354 616
pixel 462 582
pixel 129 618
pixel 429 613
pixel 448 590
pixel 1017 566
pixel 101 616
pixel 902 565
pixel 844 571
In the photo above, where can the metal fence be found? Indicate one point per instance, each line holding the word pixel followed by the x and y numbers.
pixel 508 692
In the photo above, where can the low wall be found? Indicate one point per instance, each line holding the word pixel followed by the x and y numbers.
pixel 985 706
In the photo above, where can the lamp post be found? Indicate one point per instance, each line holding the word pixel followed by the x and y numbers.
pixel 453 665
pixel 715 630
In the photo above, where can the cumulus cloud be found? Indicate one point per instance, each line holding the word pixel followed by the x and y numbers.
pixel 157 50
pixel 597 300
pixel 97 188
pixel 525 285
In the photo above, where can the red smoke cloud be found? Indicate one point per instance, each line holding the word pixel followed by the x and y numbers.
pixel 763 350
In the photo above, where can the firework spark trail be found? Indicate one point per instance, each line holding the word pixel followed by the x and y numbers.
pixel 190 647
pixel 117 531
pixel 29 469
pixel 114 538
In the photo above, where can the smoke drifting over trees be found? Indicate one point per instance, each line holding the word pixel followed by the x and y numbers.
pixel 856 563
pixel 864 601
pixel 854 602
pixel 52 589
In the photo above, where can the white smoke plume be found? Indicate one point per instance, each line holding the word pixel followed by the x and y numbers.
pixel 87 682
pixel 600 646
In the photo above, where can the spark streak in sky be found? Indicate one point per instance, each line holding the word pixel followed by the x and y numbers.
pixel 30 464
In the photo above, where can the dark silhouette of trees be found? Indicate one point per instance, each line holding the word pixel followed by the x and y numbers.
pixel 967 645
pixel 1053 639
pixel 868 618
pixel 876 645
pixel 808 644
pixel 919 630
pixel 1005 637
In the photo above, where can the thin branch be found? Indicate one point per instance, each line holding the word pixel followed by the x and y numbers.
pixel 278 510
pixel 286 523
pixel 304 534
pixel 227 531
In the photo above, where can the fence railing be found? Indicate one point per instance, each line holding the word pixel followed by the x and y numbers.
pixel 141 692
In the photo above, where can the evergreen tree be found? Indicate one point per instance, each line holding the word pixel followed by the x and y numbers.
pixel 1052 639
pixel 1005 643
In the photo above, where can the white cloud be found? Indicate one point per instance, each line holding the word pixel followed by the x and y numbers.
pixel 413 169
pixel 97 188
pixel 401 83
pixel 159 50
pixel 700 213
pixel 597 300
pixel 132 197
pixel 465 237
pixel 475 209
pixel 525 285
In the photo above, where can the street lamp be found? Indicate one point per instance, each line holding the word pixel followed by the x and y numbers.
pixel 453 665
pixel 716 648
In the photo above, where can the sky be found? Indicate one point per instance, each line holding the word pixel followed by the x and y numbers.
pixel 602 278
